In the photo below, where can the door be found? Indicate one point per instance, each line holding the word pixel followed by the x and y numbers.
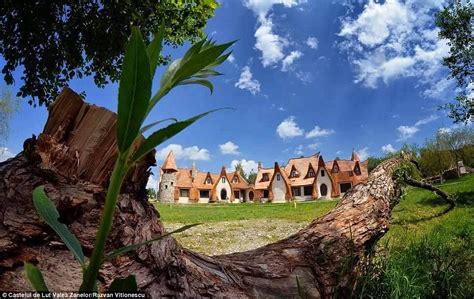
pixel 223 194
pixel 323 190
pixel 251 195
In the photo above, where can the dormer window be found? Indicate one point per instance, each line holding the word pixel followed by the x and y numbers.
pixel 294 173
pixel 209 181
pixel 278 176
pixel 265 177
pixel 335 168
pixel 357 170
pixel 235 179
pixel 223 180
pixel 311 173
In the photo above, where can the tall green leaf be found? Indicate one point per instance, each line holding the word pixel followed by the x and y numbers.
pixel 46 209
pixel 202 82
pixel 133 247
pixel 147 127
pixel 134 91
pixel 164 134
pixel 124 285
pixel 35 277
pixel 154 49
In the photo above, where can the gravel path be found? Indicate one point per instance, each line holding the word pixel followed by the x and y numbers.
pixel 233 236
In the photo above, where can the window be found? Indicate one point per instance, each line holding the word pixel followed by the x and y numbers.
pixel 345 186
pixel 322 172
pixel 171 183
pixel 311 173
pixel 209 181
pixel 184 192
pixel 265 177
pixel 293 173
pixel 296 191
pixel 204 193
pixel 335 168
pixel 278 176
pixel 265 193
pixel 237 194
pixel 235 179
pixel 166 186
pixel 223 180
pixel 357 170
pixel 308 190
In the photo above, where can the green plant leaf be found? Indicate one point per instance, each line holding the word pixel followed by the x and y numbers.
pixel 35 277
pixel 154 49
pixel 202 82
pixel 134 91
pixel 128 284
pixel 147 127
pixel 128 248
pixel 46 209
pixel 164 134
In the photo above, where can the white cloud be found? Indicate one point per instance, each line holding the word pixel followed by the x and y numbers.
pixel 406 132
pixel 186 153
pixel 363 153
pixel 304 77
pixel 397 39
pixel 152 183
pixel 288 61
pixel 248 165
pixel 246 82
pixel 270 44
pixel 299 150
pixel 289 128
pixel 231 58
pixel 313 146
pixel 318 132
pixel 312 42
pixel 5 154
pixel 388 149
pixel 229 148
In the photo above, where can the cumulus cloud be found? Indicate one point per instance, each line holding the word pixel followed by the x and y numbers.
pixel 5 154
pixel 152 183
pixel 247 82
pixel 312 42
pixel 313 146
pixel 397 39
pixel 183 153
pixel 388 149
pixel 229 148
pixel 363 153
pixel 270 44
pixel 289 60
pixel 299 149
pixel 319 132
pixel 406 132
pixel 231 58
pixel 289 128
pixel 249 166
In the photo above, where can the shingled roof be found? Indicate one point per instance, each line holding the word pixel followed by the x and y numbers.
pixel 302 165
pixel 169 163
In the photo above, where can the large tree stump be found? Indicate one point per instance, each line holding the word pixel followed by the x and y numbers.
pixel 73 158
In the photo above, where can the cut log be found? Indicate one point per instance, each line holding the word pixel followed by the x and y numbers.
pixel 73 158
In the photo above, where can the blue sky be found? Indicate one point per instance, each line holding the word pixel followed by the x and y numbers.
pixel 305 76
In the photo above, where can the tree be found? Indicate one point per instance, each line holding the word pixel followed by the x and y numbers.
pixel 252 177
pixel 434 158
pixel 58 40
pixel 455 23
pixel 455 141
pixel 151 193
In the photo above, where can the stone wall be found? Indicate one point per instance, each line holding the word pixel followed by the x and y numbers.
pixel 167 185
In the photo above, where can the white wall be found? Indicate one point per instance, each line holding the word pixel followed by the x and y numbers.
pixel 221 186
pixel 324 180
pixel 278 189
pixel 183 200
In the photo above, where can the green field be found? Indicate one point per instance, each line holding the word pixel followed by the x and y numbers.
pixel 426 253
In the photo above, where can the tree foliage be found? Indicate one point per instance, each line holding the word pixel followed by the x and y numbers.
pixel 456 25
pixel 58 40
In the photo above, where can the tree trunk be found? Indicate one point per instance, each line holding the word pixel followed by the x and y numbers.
pixel 73 158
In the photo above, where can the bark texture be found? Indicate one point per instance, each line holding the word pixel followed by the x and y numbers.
pixel 73 158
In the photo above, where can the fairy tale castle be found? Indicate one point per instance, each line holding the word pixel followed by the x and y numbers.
pixel 303 178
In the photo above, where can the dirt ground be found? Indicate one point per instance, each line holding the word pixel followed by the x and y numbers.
pixel 233 236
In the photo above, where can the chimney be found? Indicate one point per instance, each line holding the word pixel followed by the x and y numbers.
pixel 194 171
pixel 259 165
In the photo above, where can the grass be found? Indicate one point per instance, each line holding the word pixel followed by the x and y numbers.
pixel 425 254
pixel 205 213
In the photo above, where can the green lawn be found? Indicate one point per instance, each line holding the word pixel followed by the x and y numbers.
pixel 205 213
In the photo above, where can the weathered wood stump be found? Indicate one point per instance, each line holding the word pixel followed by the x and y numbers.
pixel 73 158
